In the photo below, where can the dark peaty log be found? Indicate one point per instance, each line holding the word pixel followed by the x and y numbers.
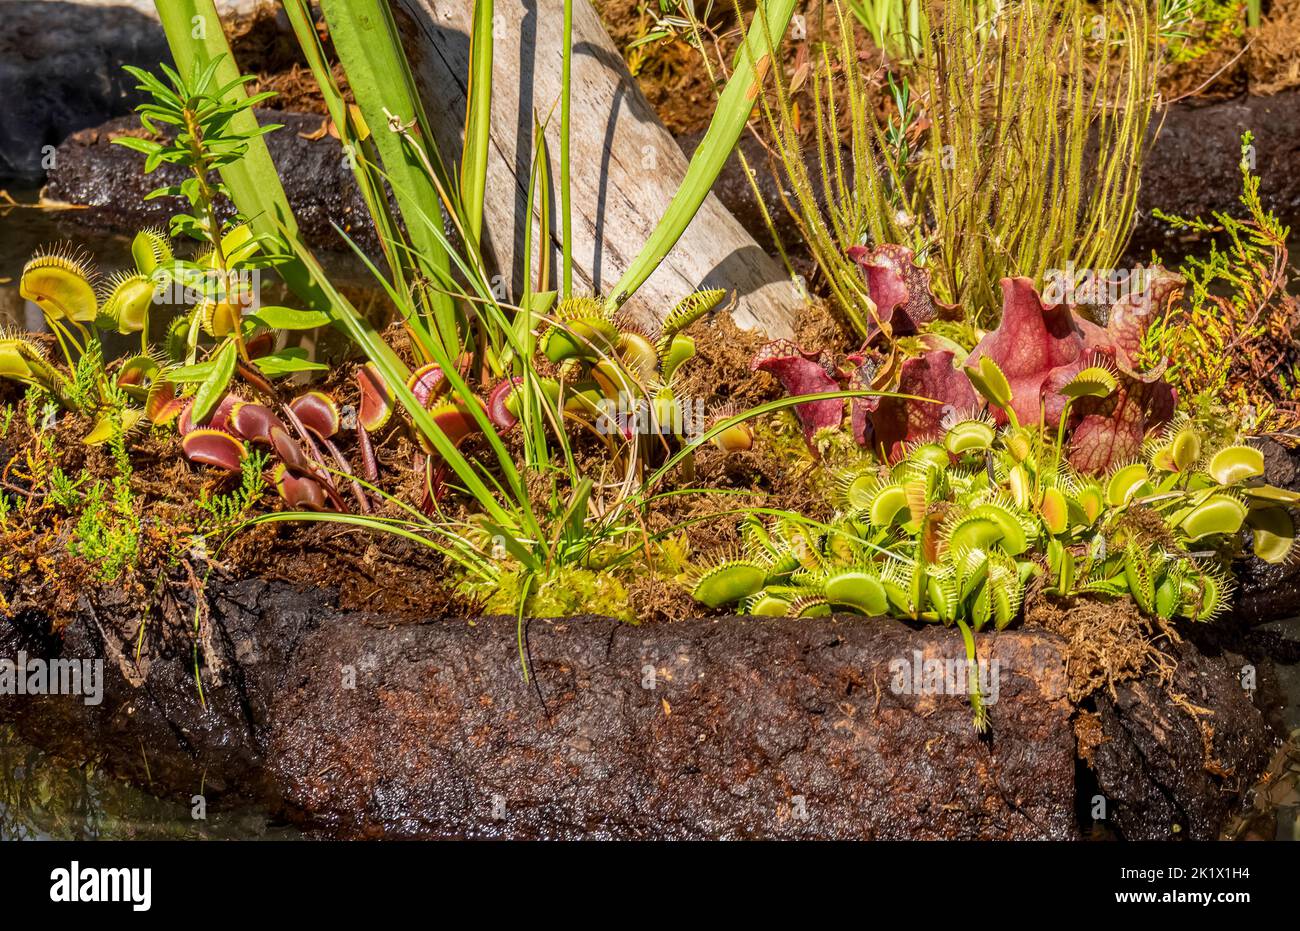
pixel 751 725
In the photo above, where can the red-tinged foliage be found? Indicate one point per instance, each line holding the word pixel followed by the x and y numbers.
pixel 216 448
pixel 1037 346
pixel 261 344
pixel 299 491
pixel 219 419
pixel 162 405
pixel 497 408
pixel 317 412
pixel 1129 318
pixel 802 373
pixel 900 289
pixel 290 451
pixel 254 422
pixel 455 421
pixel 427 382
pixel 376 399
pixel 890 423
pixel 1040 348
pixel 1110 430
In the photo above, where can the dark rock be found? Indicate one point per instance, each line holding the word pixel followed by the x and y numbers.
pixel 1177 770
pixel 61 70
pixel 1194 167
pixel 90 170
pixel 751 725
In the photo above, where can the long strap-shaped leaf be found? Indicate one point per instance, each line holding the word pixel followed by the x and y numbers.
pixel 478 122
pixel 734 107
pixel 195 35
pixel 370 49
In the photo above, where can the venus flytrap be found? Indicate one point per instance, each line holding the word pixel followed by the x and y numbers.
pixel 954 529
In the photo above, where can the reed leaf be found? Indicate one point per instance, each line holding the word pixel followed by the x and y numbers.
pixel 735 105
pixel 478 122
pixel 566 210
pixel 370 50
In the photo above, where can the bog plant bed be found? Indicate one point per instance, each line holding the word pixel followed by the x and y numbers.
pixel 504 546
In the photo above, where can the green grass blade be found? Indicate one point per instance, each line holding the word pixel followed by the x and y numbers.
pixel 566 210
pixel 478 122
pixel 734 107
pixel 395 374
pixel 372 191
pixel 370 49
pixel 376 524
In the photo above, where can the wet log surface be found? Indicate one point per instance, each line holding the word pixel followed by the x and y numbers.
pixel 91 171
pixel 356 727
pixel 1145 768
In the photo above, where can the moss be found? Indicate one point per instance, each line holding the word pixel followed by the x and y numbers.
pixel 569 591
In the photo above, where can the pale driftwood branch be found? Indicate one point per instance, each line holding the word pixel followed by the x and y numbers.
pixel 626 165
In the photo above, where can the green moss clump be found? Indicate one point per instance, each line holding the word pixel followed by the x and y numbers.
pixel 567 592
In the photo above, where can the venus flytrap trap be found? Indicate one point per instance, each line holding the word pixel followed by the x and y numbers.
pixel 218 336
pixel 542 368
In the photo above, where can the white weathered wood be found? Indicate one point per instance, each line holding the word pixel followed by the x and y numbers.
pixel 626 165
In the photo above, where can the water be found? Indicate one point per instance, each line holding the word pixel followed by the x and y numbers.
pixel 43 798
pixel 23 230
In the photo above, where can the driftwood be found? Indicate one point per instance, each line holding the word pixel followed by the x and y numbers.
pixel 626 165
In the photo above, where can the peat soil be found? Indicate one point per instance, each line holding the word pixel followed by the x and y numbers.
pixel 359 725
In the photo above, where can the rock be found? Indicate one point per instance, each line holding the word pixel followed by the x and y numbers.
pixel 754 728
pixel 1177 770
pixel 109 178
pixel 1194 167
pixel 61 70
